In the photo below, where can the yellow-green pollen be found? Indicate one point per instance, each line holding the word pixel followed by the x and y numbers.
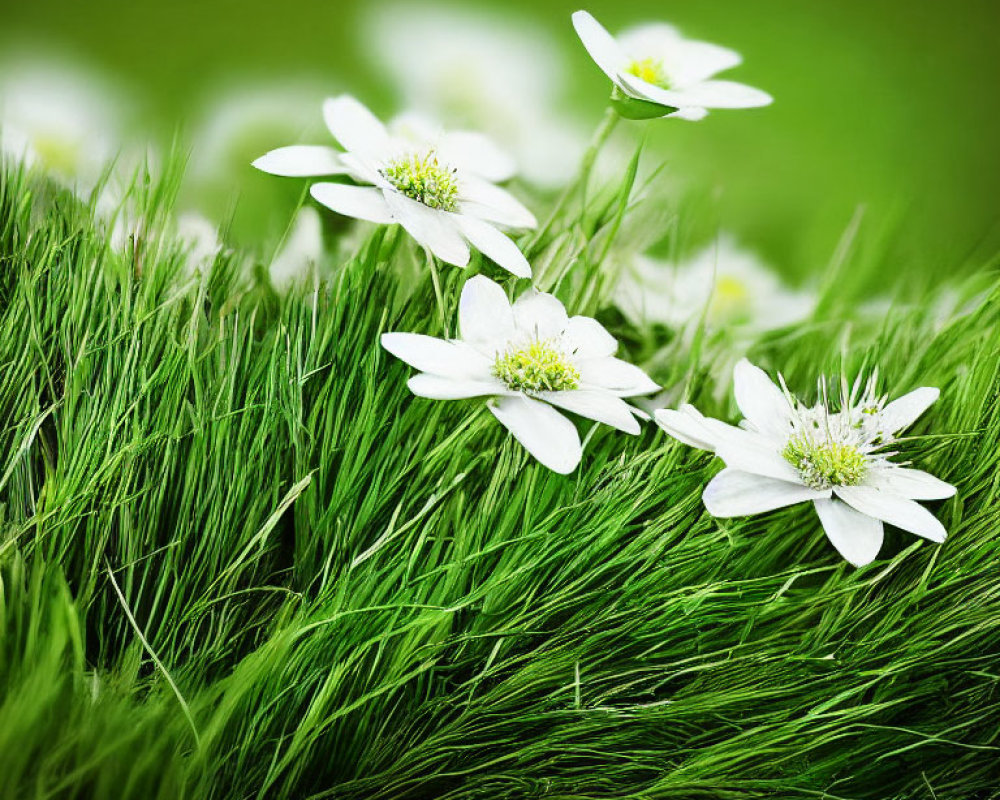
pixel 729 299
pixel 59 155
pixel 649 70
pixel 539 367
pixel 822 465
pixel 421 177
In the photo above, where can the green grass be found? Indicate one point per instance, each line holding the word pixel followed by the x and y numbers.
pixel 240 560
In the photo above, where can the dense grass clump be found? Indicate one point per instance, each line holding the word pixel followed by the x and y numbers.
pixel 239 559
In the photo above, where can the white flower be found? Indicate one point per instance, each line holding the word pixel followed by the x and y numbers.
pixel 199 237
pixel 439 189
pixel 59 118
pixel 240 121
pixel 529 357
pixel 731 286
pixel 300 252
pixel 654 64
pixel 785 453
pixel 487 71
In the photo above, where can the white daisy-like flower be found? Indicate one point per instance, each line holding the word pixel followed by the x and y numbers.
pixel 484 70
pixel 785 453
pixel 530 358
pixel 439 187
pixel 668 75
pixel 730 285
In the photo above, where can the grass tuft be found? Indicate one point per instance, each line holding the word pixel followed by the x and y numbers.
pixel 239 559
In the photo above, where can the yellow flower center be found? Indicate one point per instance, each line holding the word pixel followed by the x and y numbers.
pixel 649 70
pixel 59 155
pixel 421 177
pixel 729 298
pixel 539 367
pixel 824 464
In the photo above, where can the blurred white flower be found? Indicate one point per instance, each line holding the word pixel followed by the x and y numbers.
pixel 61 118
pixel 785 453
pixel 484 71
pixel 529 357
pixel 671 75
pixel 298 256
pixel 440 190
pixel 197 236
pixel 730 285
pixel 241 121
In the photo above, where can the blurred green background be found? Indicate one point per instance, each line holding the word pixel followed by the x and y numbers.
pixel 888 104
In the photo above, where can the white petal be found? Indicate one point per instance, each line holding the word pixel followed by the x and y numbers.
pixel 654 40
pixel 615 375
pixel 595 405
pixel 856 536
pixel 485 318
pixel 732 493
pixel 355 127
pixel 361 169
pixel 477 154
pixel 437 387
pixel 360 202
pixel 893 509
pixel 903 412
pixel 637 87
pixel 913 484
pixel 725 94
pixel 480 198
pixel 300 161
pixel 415 128
pixel 588 338
pixel 762 403
pixel 751 452
pixel 543 431
pixel 494 244
pixel 436 230
pixel 691 61
pixel 708 94
pixel 539 314
pixel 639 413
pixel 600 44
pixel 690 113
pixel 687 425
pixel 437 356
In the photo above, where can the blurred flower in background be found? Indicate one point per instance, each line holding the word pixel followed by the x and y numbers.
pixel 58 116
pixel 201 241
pixel 300 253
pixel 730 285
pixel 490 72
pixel 238 122
pixel 235 123
pixel 195 236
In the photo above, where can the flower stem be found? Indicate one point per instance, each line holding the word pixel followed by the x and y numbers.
pixel 436 280
pixel 601 135
pixel 579 183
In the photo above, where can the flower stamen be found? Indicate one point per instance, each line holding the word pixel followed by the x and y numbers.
pixel 825 464
pixel 421 177
pixel 649 70
pixel 539 367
